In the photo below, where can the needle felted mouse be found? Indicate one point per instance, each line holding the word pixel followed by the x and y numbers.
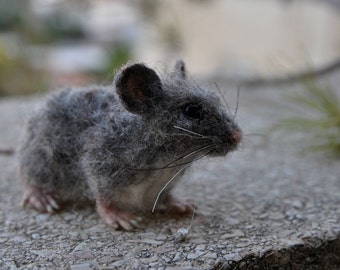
pixel 123 146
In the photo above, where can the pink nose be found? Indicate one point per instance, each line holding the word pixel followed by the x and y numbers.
pixel 235 136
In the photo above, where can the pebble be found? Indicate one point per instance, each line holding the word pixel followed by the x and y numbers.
pixel 166 259
pixel 85 266
pixel 120 263
pixel 161 237
pixel 149 260
pixel 276 216
pixel 210 255
pixel 107 259
pixel 164 249
pixel 35 236
pixel 291 242
pixel 177 257
pixel 200 247
pixel 80 247
pixel 232 257
pixel 44 253
pixel 234 234
pixel 192 256
pixel 84 254
pixel 297 204
pixel 232 221
pixel 19 239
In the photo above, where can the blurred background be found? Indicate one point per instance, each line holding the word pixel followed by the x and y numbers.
pixel 50 43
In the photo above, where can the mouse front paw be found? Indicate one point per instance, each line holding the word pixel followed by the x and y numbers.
pixel 116 218
pixel 45 202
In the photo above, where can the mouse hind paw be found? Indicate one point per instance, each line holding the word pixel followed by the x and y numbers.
pixel 116 218
pixel 174 206
pixel 45 202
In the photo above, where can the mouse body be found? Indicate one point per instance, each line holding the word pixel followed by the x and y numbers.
pixel 122 146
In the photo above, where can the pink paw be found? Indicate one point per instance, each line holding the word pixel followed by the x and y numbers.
pixel 116 218
pixel 37 199
pixel 175 206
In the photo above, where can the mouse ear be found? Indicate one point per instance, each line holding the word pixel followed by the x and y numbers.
pixel 139 88
pixel 180 70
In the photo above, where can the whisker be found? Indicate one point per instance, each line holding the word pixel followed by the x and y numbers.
pixel 192 132
pixel 237 103
pixel 186 156
pixel 166 185
pixel 198 150
pixel 188 162
pixel 192 219
pixel 254 134
pixel 188 135
pixel 172 178
pixel 184 163
pixel 224 99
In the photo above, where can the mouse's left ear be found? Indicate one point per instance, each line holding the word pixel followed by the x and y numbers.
pixel 139 88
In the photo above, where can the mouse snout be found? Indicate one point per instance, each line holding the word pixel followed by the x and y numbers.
pixel 235 136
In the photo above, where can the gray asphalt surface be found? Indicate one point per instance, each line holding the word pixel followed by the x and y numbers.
pixel 270 204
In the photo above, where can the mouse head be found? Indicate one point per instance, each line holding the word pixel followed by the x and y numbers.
pixel 184 115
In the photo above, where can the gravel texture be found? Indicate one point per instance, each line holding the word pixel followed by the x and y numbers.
pixel 271 205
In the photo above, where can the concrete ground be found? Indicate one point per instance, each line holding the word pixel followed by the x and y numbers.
pixel 270 205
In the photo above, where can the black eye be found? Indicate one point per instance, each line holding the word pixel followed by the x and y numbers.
pixel 192 110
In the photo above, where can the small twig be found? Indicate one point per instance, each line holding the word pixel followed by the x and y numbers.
pixel 286 79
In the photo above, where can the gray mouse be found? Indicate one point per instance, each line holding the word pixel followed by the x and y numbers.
pixel 122 146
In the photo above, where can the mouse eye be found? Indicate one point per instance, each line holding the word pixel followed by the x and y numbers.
pixel 192 110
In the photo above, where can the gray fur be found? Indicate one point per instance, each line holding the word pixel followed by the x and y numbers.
pixel 115 142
